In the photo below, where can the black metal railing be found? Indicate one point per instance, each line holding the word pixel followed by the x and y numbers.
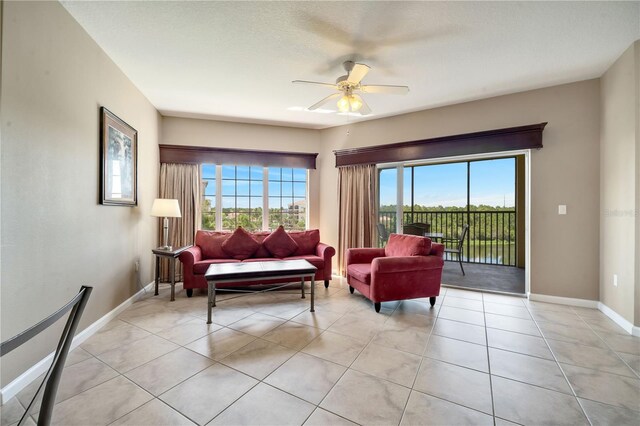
pixel 492 236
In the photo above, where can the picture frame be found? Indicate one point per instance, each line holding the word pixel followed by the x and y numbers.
pixel 118 161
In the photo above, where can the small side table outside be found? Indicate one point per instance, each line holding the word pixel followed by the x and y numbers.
pixel 172 255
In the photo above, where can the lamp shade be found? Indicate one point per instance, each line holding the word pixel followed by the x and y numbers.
pixel 165 207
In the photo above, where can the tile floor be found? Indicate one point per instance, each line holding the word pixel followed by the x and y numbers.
pixel 475 358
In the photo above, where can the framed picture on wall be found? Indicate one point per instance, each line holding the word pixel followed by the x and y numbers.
pixel 119 157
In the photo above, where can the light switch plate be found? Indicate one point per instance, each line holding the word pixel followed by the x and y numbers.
pixel 562 209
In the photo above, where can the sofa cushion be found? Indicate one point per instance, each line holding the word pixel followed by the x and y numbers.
pixel 316 261
pixel 200 268
pixel 306 240
pixel 240 245
pixel 261 259
pixel 360 271
pixel 407 245
pixel 210 243
pixel 262 251
pixel 279 243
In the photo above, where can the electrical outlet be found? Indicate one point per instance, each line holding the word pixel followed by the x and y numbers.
pixel 615 280
pixel 137 265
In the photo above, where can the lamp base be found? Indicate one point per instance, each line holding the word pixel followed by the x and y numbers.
pixel 167 248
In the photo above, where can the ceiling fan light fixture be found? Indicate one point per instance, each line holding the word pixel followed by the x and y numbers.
pixel 343 104
pixel 355 102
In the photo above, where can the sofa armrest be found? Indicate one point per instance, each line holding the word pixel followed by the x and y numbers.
pixel 363 255
pixel 190 256
pixel 437 250
pixel 394 264
pixel 325 251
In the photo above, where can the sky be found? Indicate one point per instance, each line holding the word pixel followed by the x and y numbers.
pixel 492 183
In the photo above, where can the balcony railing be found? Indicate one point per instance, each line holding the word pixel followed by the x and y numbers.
pixel 492 236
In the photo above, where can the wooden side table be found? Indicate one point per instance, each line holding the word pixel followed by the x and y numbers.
pixel 172 255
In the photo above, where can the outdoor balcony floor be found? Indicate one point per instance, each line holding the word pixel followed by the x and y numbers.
pixel 506 279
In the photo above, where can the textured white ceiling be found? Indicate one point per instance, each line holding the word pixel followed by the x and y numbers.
pixel 235 60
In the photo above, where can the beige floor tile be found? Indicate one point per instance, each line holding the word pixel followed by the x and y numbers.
pixel 134 354
pixel 100 405
pixel 590 357
pixel 154 412
pixel 356 328
pixel 543 306
pixel 163 373
pixel 466 294
pixel 566 318
pixel 265 405
pixel 503 299
pixel 461 331
pixel 570 334
pixel 619 343
pixel 335 348
pixel 604 326
pixel 424 409
pixel 517 342
pixel 463 303
pixel 508 310
pixel 287 310
pixel 292 335
pixel 77 355
pixel 116 334
pixel 11 412
pixel 306 377
pixel 516 325
pixel 404 321
pixel 366 399
pixel 322 417
pixel 259 358
pixel 317 320
pixel 462 315
pixel 458 352
pixel 225 315
pixel 524 368
pixel 606 415
pixel 159 321
pixel 604 387
pixel 75 379
pixel 389 364
pixel 532 405
pixel 205 395
pixel 503 422
pixel 257 324
pixel 408 340
pixel 456 384
pixel 187 332
pixel 419 307
pixel 632 361
pixel 220 343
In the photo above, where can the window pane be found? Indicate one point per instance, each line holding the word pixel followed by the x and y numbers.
pixel 274 173
pixel 299 189
pixel 256 173
pixel 208 221
pixel 242 202
pixel 242 187
pixel 287 174
pixel 388 198
pixel 274 189
pixel 300 175
pixel 274 203
pixel 256 188
pixel 228 187
pixel 287 189
pixel 493 183
pixel 228 203
pixel 208 171
pixel 228 172
pixel 242 172
pixel 407 185
pixel 209 187
pixel 209 205
pixel 440 185
pixel 256 204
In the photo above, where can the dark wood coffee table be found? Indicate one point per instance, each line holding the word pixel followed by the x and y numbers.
pixel 220 273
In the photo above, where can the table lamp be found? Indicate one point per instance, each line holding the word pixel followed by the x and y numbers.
pixel 166 208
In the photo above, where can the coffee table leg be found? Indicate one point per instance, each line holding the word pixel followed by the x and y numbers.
pixel 313 285
pixel 214 295
pixel 157 273
pixel 302 286
pixel 209 304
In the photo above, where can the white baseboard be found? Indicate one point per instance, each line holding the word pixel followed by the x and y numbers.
pixel 22 381
pixel 570 301
pixel 619 319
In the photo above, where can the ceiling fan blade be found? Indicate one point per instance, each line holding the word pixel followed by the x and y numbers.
pixel 389 90
pixel 316 83
pixel 364 109
pixel 357 73
pixel 324 101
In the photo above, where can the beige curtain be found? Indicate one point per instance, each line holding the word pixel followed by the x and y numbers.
pixel 357 207
pixel 183 183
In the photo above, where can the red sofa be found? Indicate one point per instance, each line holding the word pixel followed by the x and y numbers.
pixel 407 267
pixel 210 248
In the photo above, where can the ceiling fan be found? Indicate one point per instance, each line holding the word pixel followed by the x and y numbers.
pixel 349 87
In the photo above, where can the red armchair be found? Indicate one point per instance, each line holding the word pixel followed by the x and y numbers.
pixel 408 267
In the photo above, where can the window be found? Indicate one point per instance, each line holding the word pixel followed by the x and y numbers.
pixel 253 197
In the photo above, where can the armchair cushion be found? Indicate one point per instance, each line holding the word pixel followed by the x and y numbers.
pixel 360 271
pixel 279 243
pixel 407 245
pixel 240 245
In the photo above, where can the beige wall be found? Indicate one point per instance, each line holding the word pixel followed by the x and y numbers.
pixel 618 174
pixel 223 134
pixel 55 235
pixel 564 249
pixel 637 212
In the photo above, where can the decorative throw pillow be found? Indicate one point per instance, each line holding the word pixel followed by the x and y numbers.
pixel 407 245
pixel 306 240
pixel 279 243
pixel 240 245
